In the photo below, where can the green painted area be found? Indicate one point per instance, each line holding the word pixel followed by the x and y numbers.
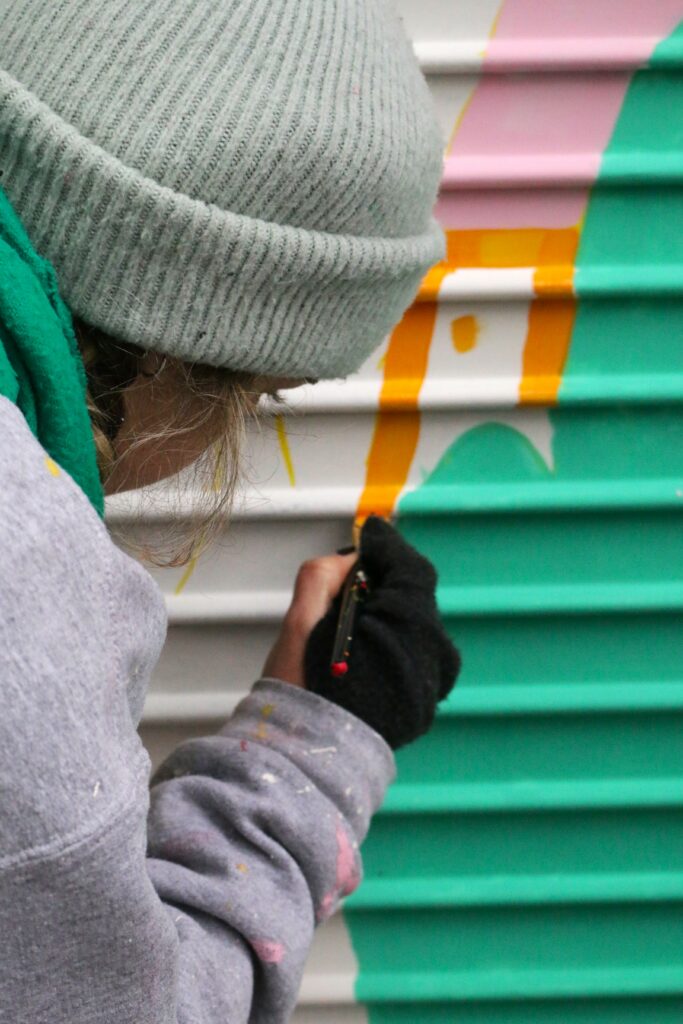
pixel 528 864
pixel 585 1011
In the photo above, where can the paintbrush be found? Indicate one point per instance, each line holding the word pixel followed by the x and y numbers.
pixel 354 592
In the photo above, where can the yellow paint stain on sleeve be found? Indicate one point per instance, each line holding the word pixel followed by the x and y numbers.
pixel 267 710
pixel 464 332
pixel 52 466
pixel 284 448
pixel 242 868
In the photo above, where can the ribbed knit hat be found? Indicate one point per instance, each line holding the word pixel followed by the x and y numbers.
pixel 245 183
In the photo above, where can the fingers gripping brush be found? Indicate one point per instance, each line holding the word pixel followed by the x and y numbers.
pixel 402 661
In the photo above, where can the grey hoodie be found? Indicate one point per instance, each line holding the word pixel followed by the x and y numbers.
pixel 190 902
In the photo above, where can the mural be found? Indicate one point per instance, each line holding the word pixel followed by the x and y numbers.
pixel 531 850
pixel 524 423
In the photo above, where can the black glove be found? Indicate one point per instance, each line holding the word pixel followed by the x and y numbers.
pixel 402 662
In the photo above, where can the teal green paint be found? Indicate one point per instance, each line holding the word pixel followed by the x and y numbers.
pixel 541 793
pixel 585 1011
pixel 468 843
pixel 633 230
pixel 470 458
pixel 630 234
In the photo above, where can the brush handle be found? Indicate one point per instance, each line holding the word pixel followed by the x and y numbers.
pixel 354 591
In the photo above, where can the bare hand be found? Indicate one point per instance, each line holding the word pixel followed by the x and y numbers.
pixel 317 584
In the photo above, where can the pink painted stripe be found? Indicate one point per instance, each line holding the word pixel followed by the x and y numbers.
pixel 565 53
pixel 527 170
pixel 522 208
pixel 540 116
pixel 523 136
pixel 585 19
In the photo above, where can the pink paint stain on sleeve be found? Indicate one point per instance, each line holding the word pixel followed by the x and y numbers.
pixel 347 875
pixel 267 951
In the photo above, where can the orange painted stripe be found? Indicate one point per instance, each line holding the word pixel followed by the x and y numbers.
pixel 554 281
pixel 551 251
pixel 511 247
pixel 551 322
pixel 396 434
pixel 545 350
pixel 397 425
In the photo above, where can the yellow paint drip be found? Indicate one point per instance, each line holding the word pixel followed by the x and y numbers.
pixel 182 582
pixel 284 448
pixel 464 331
pixel 52 466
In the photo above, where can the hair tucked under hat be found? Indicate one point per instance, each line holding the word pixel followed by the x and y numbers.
pixel 245 183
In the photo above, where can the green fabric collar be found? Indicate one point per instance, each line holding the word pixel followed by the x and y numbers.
pixel 41 369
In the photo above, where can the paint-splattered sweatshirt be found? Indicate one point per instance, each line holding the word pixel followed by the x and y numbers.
pixel 190 902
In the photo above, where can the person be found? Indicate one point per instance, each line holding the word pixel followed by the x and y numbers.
pixel 201 202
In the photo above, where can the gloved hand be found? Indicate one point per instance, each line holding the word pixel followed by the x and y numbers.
pixel 402 662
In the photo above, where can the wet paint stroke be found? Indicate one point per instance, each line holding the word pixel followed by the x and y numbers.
pixel 397 424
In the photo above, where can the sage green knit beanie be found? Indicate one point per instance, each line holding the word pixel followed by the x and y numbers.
pixel 245 183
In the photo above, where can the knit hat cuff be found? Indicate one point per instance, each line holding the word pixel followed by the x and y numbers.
pixel 157 268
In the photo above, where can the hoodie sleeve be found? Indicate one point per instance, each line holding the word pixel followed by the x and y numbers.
pixel 190 902
pixel 254 838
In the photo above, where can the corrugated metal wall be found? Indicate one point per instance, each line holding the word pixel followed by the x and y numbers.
pixel 525 423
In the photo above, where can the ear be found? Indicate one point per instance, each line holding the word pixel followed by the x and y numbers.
pixel 152 364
